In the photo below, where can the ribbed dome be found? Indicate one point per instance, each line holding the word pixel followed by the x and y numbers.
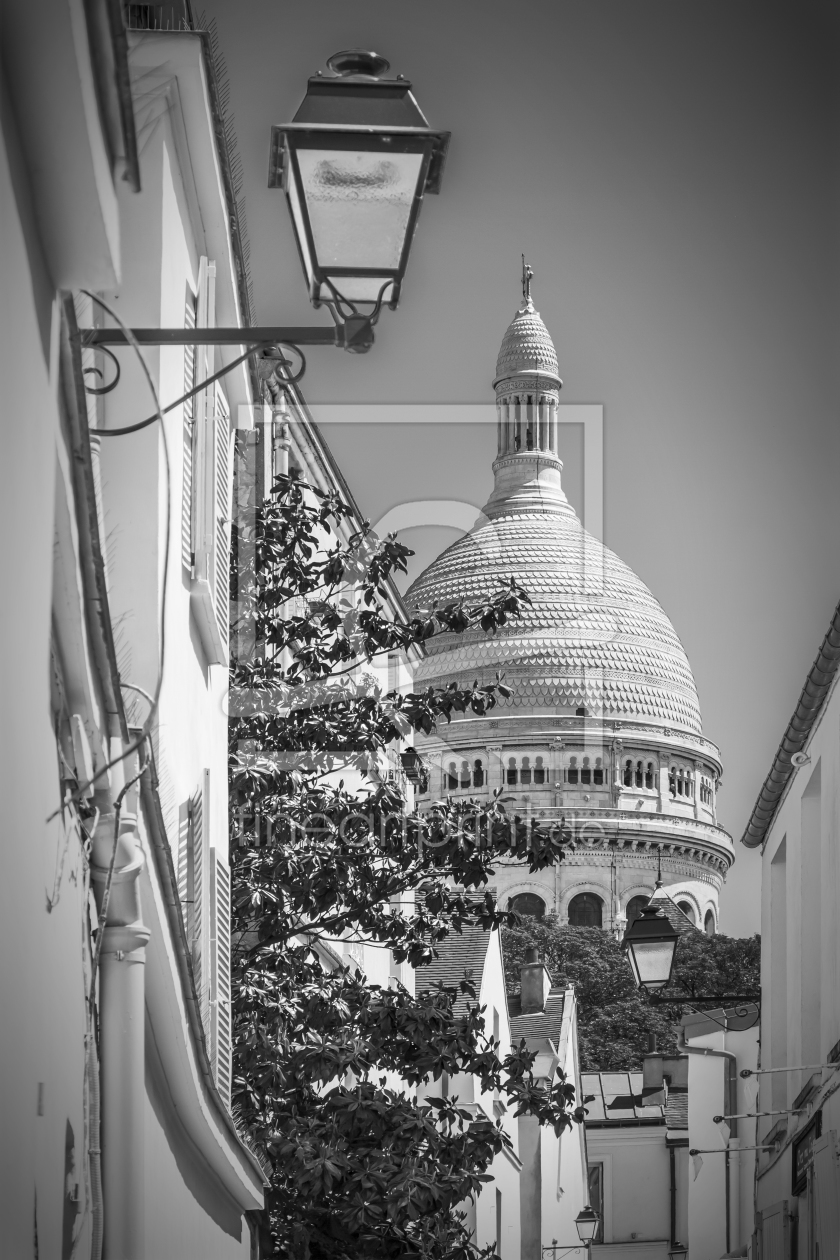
pixel 527 345
pixel 593 637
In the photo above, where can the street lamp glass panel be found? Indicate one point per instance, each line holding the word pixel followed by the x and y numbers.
pixel 651 962
pixel 586 1223
pixel 359 210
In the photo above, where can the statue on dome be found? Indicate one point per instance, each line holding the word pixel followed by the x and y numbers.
pixel 527 277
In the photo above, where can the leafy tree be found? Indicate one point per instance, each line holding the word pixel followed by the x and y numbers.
pixel 615 1019
pixel 325 1062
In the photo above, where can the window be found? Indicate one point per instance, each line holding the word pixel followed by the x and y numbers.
pixel 572 773
pixel 627 778
pixel 596 1198
pixel 586 771
pixel 511 772
pixel 634 908
pixel 580 712
pixel 525 772
pixel 649 776
pixel 640 774
pixel 451 777
pixel 709 923
pixel 687 909
pixel 598 772
pixel 478 774
pixel 539 771
pixel 528 904
pixel 466 776
pixel 586 910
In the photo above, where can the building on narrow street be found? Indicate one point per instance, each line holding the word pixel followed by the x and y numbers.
pixel 795 824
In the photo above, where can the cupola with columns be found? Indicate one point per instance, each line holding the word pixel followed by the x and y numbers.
pixel 603 730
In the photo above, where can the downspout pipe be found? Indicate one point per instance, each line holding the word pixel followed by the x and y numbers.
pixel 116 863
pixel 817 686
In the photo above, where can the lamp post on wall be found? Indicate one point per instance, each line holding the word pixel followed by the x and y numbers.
pixel 355 165
pixel 586 1224
pixel 650 943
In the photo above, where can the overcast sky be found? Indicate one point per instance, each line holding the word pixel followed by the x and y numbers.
pixel 669 170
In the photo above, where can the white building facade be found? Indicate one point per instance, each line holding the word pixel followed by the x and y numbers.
pixel 796 823
pixel 116 1037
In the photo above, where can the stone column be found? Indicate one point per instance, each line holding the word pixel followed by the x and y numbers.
pixel 495 767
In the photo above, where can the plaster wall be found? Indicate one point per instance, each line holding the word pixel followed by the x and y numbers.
pixel 636 1182
pixel 41 952
pixel 707 1195
pixel 800 940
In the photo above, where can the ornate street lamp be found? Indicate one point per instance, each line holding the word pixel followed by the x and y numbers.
pixel 586 1224
pixel 355 165
pixel 650 943
pixel 677 1252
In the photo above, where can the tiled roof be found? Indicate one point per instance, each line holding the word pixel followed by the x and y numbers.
pixel 457 954
pixel 619 1098
pixel 676 1111
pixel 541 1025
pixel 679 921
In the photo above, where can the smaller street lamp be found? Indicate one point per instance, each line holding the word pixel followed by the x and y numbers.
pixel 586 1224
pixel 651 945
pixel 677 1251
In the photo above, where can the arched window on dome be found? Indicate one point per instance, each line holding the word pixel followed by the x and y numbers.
pixel 628 773
pixel 586 910
pixel 451 777
pixel 478 774
pixel 529 904
pixel 512 777
pixel 688 910
pixel 525 772
pixel 539 771
pixel 573 773
pixel 598 772
pixel 640 774
pixel 634 908
pixel 466 776
pixel 649 779
pixel 709 923
pixel 586 771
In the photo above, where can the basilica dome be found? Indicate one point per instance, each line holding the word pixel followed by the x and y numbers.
pixel 593 637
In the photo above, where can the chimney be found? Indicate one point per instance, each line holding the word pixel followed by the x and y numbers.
pixel 535 983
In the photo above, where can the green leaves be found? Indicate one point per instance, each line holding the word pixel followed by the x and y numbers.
pixel 330 1071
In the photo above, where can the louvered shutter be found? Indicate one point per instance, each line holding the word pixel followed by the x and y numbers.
pixel 198 881
pixel 220 1017
pixel 188 439
pixel 222 464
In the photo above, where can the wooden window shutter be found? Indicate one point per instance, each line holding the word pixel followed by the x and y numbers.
pixel 194 887
pixel 220 1008
pixel 210 499
pixel 188 439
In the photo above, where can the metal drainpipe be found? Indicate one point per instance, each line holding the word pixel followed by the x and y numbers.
pixel 122 1092
pixel 122 1029
pixel 673 1160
